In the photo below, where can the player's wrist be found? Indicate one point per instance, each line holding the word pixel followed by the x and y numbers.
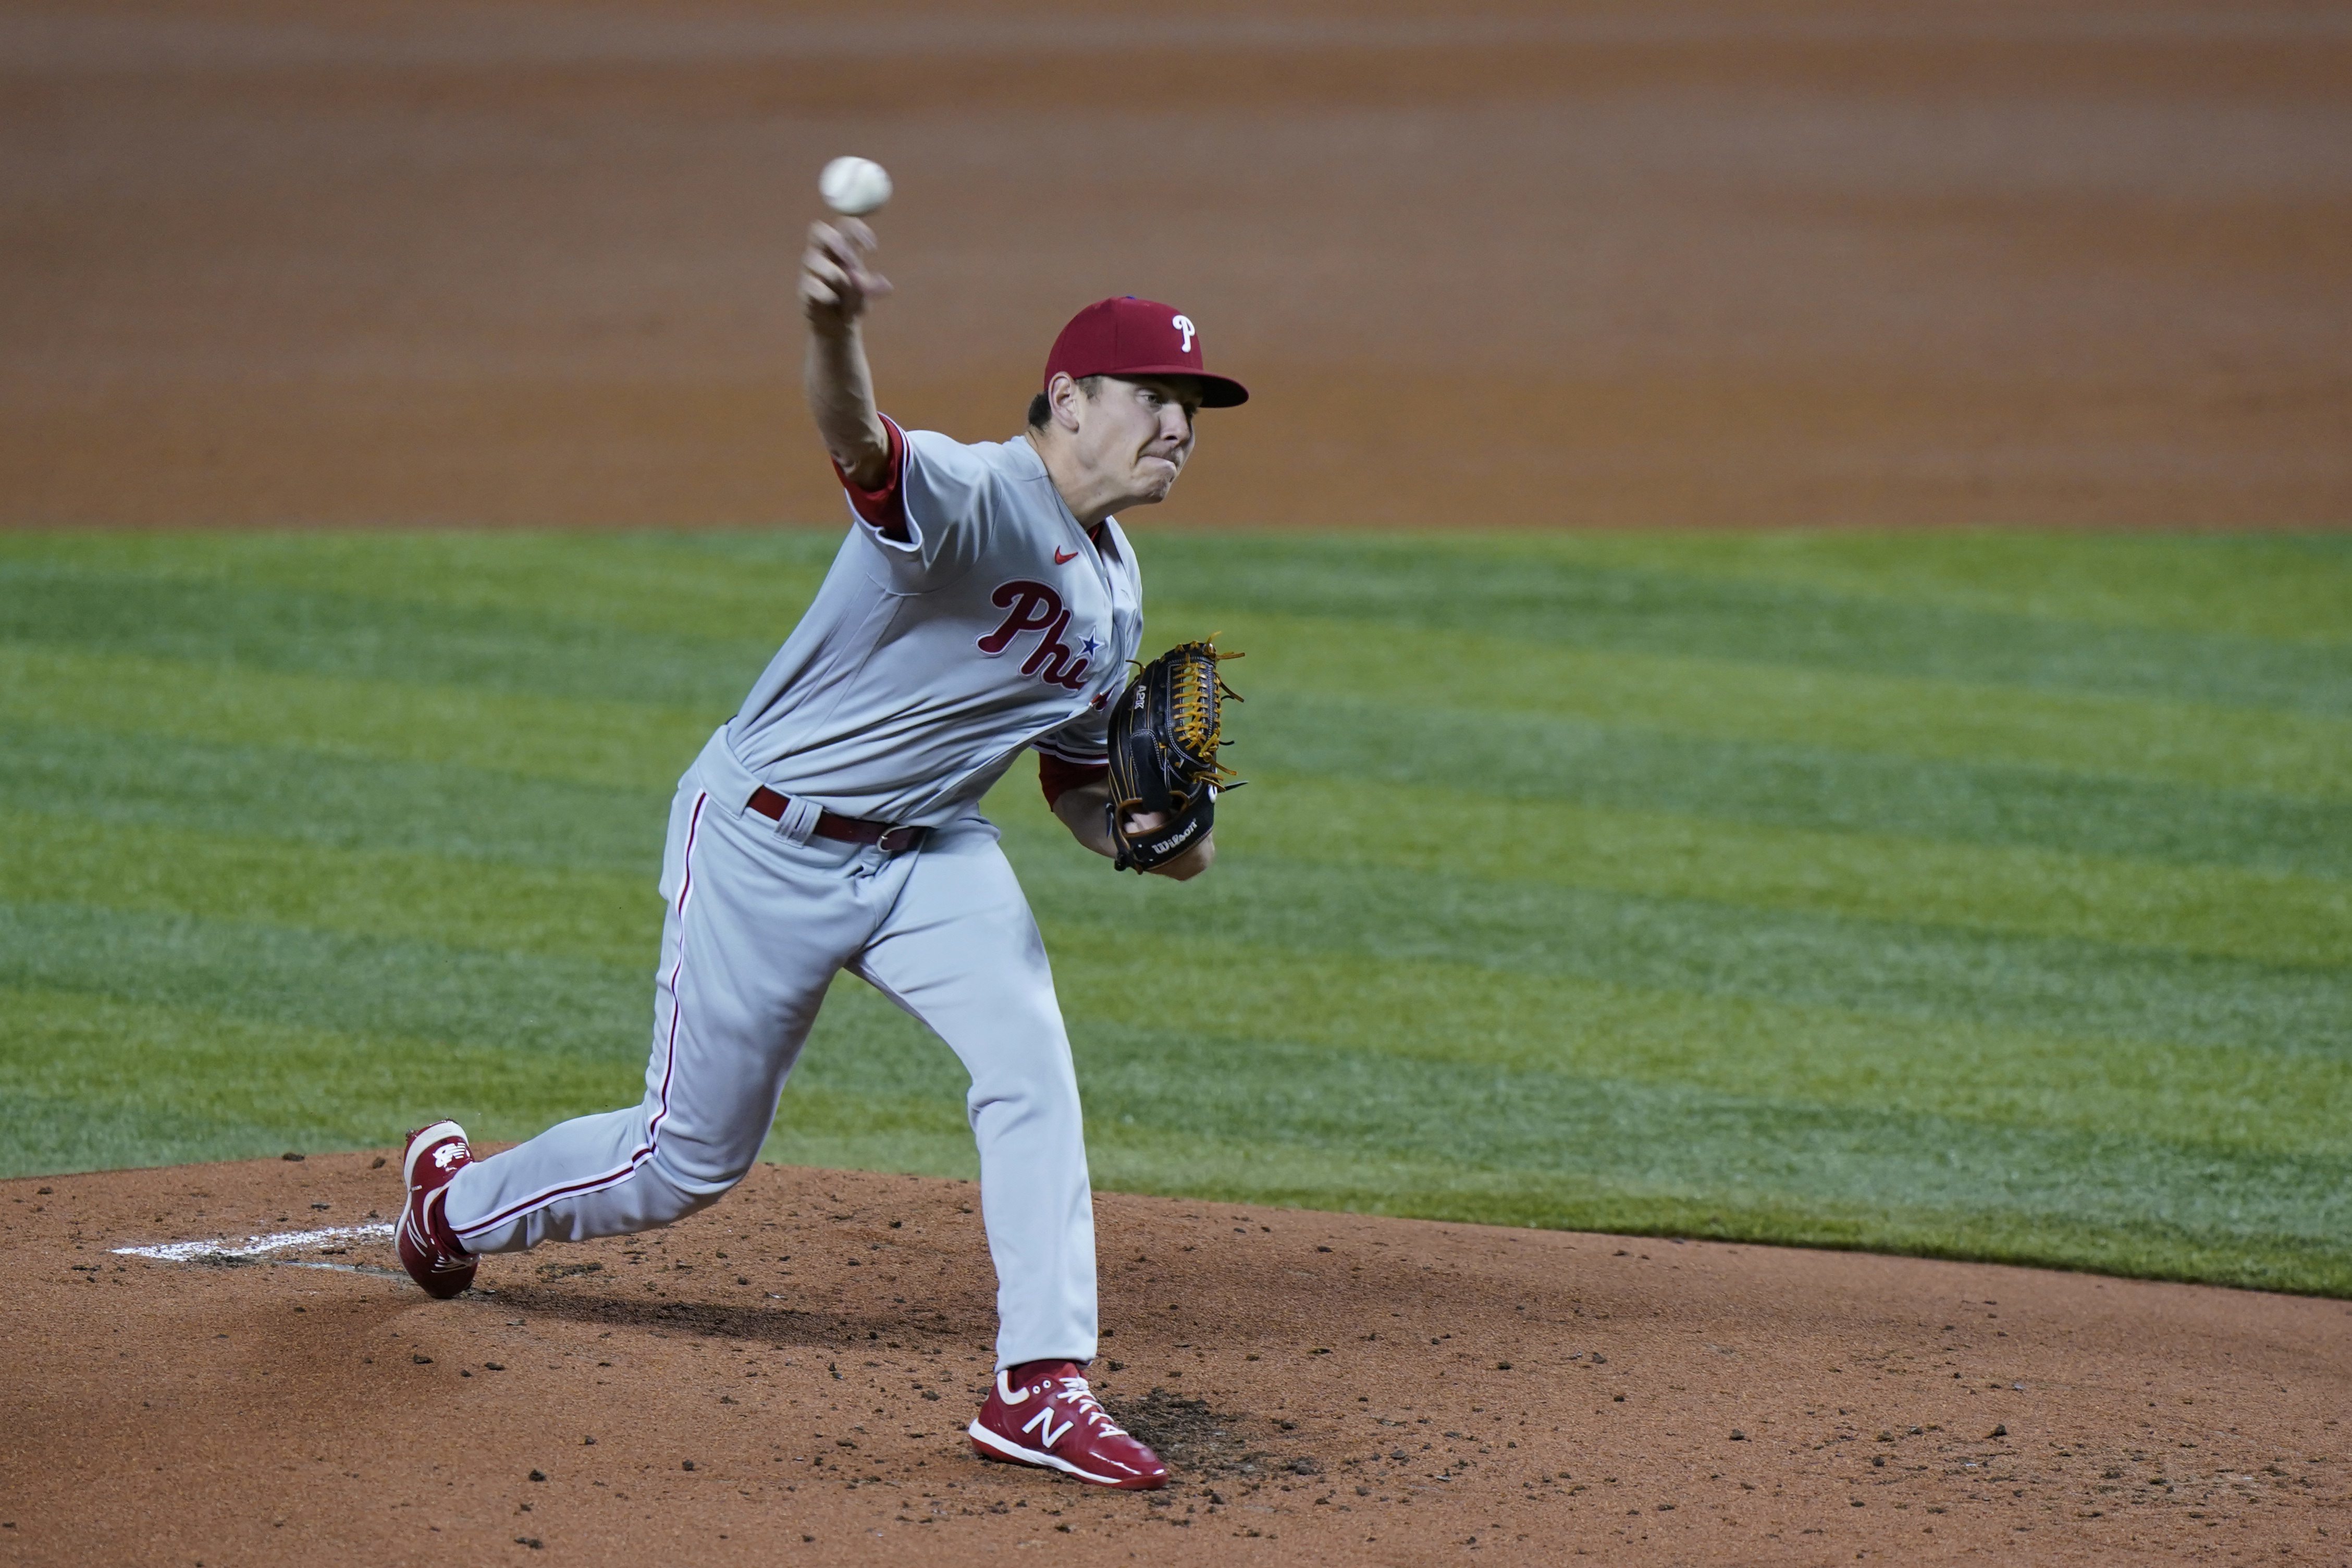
pixel 1190 863
pixel 835 326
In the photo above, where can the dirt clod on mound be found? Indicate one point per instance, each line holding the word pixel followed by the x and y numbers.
pixel 1196 1439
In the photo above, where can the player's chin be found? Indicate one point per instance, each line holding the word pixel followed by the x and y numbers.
pixel 1154 477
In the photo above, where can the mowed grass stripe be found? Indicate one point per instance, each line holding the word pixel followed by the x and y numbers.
pixel 1430 1010
pixel 1336 1128
pixel 605 744
pixel 1220 1168
pixel 1702 947
pixel 2218 747
pixel 94 1083
pixel 1913 968
pixel 363 669
pixel 1676 1138
pixel 286 792
pixel 365 802
pixel 369 639
pixel 1544 589
pixel 2270 919
pixel 1452 1011
pixel 2267 917
pixel 2252 750
pixel 1458 1012
pixel 2278 588
pixel 591 671
pixel 1375 746
pixel 749 584
pixel 605 917
pixel 535 1003
pixel 2215 598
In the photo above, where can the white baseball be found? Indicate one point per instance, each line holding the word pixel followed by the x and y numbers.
pixel 854 186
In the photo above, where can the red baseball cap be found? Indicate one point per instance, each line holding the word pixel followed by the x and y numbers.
pixel 1134 337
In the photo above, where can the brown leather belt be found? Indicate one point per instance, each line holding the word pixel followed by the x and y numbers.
pixel 848 830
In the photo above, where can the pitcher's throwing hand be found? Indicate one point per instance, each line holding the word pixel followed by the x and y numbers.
pixel 836 283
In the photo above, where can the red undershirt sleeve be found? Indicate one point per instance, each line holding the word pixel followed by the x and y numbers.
pixel 886 507
pixel 1057 777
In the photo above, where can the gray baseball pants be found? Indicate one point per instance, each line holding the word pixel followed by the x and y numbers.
pixel 759 922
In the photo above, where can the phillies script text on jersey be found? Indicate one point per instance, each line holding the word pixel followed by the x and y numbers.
pixel 926 664
pixel 1037 608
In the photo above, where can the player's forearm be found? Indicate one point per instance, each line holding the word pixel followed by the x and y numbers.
pixel 1081 809
pixel 839 385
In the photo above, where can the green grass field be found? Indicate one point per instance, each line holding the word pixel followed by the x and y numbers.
pixel 1970 895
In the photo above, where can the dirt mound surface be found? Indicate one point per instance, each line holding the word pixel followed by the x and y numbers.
pixel 786 1378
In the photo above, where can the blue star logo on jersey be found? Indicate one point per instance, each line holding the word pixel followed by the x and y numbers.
pixel 1089 645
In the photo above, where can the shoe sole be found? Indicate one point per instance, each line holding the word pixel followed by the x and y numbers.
pixel 1006 1451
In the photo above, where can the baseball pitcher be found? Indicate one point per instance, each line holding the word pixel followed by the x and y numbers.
pixel 984 602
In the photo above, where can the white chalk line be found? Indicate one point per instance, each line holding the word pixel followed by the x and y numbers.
pixel 375 1269
pixel 259 1246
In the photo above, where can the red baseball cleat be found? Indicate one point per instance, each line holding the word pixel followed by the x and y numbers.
pixel 428 1248
pixel 1051 1420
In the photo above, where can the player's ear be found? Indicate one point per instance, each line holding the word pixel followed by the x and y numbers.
pixel 1064 398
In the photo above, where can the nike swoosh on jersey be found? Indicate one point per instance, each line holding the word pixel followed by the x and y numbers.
pixel 1064 558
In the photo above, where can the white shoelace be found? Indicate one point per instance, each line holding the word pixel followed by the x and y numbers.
pixel 1076 1392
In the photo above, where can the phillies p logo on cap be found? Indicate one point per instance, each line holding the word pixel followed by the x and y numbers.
pixel 1138 338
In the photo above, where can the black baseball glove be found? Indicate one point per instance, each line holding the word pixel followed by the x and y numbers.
pixel 1165 734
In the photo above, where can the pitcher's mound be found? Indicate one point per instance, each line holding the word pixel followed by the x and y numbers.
pixel 786 1378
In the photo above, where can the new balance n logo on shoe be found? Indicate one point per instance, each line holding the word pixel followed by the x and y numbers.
pixel 1044 1419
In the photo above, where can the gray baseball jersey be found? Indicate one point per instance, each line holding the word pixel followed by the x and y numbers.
pixel 924 667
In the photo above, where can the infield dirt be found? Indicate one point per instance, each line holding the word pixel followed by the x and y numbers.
pixel 786 1378
pixel 1793 262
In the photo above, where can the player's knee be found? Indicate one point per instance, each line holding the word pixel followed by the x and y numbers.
pixel 1048 1094
pixel 666 1204
pixel 667 1195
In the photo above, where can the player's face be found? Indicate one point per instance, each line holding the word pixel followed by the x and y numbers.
pixel 1139 432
